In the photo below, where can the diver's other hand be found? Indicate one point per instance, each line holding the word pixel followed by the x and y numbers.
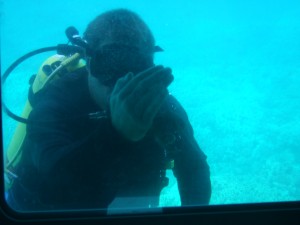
pixel 135 101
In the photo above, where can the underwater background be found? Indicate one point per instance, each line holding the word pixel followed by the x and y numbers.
pixel 237 73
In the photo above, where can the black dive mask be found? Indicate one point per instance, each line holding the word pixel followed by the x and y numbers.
pixel 115 60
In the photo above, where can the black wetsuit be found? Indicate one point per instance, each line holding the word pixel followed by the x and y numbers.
pixel 71 160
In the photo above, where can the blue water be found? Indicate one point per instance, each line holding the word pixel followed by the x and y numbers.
pixel 237 73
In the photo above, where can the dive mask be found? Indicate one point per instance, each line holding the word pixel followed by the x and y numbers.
pixel 113 61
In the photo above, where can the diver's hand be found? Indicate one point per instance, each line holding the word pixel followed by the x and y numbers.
pixel 135 101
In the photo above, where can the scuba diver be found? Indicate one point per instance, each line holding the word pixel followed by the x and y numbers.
pixel 105 126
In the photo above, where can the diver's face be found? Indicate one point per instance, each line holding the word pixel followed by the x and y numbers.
pixel 115 58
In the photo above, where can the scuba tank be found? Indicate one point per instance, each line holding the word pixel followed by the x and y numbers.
pixel 68 58
pixel 39 81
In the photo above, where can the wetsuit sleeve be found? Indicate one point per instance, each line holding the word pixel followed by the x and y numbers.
pixel 70 165
pixel 68 156
pixel 191 168
pixel 51 137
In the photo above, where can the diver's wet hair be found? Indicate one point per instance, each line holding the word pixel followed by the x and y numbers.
pixel 118 24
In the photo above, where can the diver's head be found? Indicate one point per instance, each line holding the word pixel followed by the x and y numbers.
pixel 122 43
